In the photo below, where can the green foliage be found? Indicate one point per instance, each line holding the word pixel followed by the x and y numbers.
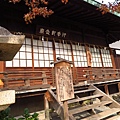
pixel 116 97
pixel 5 115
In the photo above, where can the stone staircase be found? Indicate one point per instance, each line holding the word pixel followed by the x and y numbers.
pixel 89 103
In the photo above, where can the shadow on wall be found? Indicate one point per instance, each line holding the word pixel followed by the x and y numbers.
pixel 34 103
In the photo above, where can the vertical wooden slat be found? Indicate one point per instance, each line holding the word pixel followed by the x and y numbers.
pixel 54 55
pixel 75 78
pixel 89 56
pixel 66 114
pixel 101 58
pixel 89 65
pixel 32 53
pixel 54 52
pixel 112 58
pixel 119 86
pixel 113 61
pixel 106 89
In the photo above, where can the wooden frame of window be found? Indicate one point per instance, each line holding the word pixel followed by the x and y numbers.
pixel 79 54
pixel 95 56
pixel 36 52
pixel 63 49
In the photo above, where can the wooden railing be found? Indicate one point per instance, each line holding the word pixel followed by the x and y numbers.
pixel 102 74
pixel 20 80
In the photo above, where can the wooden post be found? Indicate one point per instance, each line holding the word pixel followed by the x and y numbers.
pixel 66 114
pixel 106 89
pixel 119 86
pixel 46 106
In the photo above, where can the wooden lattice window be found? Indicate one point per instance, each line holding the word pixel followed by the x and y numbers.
pixel 106 58
pixel 23 58
pixel 43 53
pixel 96 59
pixel 79 54
pixel 63 50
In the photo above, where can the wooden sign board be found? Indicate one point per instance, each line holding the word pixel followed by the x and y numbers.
pixel 64 83
pixel 89 58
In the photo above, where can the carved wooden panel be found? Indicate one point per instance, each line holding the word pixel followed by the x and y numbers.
pixel 64 83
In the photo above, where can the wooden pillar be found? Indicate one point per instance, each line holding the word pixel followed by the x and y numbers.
pixel 54 56
pixel 119 86
pixel 106 89
pixel 113 63
pixel 101 58
pixel 88 54
pixel 75 77
pixel 112 58
pixel 46 106
pixel 66 114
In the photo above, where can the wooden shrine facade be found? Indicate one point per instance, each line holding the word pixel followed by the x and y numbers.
pixel 79 34
pixel 36 54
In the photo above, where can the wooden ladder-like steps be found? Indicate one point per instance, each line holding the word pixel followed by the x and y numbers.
pixel 88 107
pixel 84 91
pixel 103 114
pixel 101 106
pixel 84 98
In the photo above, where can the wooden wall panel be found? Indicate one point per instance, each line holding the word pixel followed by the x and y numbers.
pixel 14 83
pixel 80 74
pixel 117 61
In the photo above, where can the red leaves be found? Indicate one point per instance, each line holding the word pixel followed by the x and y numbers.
pixel 36 9
pixel 64 1
pixel 14 1
pixel 111 7
pixel 42 11
pixel 103 8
